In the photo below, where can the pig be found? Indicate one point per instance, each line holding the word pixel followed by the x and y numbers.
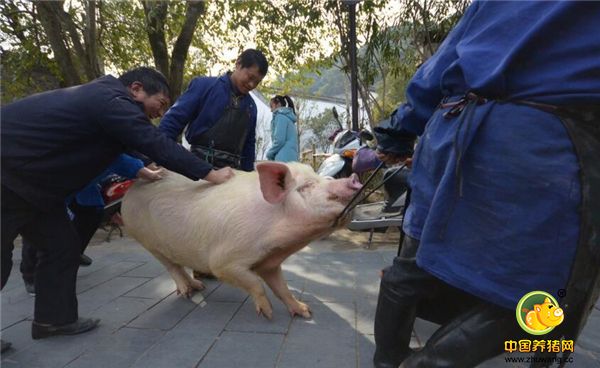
pixel 544 315
pixel 240 231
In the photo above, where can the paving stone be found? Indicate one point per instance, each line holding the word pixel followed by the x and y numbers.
pixel 365 315
pixel 590 336
pixel 157 288
pixel 121 349
pixel 186 344
pixel 86 282
pixel 102 294
pixel 243 349
pixel 15 295
pixel 328 340
pixel 145 324
pixel 14 313
pixel 19 335
pixel 367 283
pixel 246 319
pixel 366 349
pixel 424 329
pixel 164 315
pixel 52 352
pixel 120 311
pixel 227 293
pixel 328 290
pixel 149 269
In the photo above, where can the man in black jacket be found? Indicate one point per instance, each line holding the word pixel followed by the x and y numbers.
pixel 56 142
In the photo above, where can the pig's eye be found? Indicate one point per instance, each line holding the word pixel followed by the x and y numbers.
pixel 305 186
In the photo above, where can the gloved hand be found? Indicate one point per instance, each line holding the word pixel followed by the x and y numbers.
pixel 394 141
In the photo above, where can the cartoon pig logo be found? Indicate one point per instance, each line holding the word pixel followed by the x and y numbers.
pixel 538 313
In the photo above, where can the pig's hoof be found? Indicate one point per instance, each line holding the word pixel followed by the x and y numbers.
pixel 302 310
pixel 265 309
pixel 184 292
pixel 197 285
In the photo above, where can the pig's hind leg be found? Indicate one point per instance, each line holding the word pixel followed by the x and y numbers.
pixel 274 278
pixel 185 284
pixel 241 276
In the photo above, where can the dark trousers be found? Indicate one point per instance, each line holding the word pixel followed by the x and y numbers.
pixel 472 330
pixel 86 222
pixel 57 244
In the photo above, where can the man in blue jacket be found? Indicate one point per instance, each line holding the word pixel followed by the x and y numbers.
pixel 505 182
pixel 55 143
pixel 219 115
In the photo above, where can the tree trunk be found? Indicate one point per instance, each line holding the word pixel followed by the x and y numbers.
pixel 50 20
pixel 91 41
pixel 156 16
pixel 193 11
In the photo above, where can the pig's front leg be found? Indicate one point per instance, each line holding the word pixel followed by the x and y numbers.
pixel 244 278
pixel 274 278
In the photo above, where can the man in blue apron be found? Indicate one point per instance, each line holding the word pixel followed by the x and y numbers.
pixel 505 182
pixel 219 116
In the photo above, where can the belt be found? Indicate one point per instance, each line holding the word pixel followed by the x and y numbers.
pixel 217 157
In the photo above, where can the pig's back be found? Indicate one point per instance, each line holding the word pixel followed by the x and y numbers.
pixel 186 221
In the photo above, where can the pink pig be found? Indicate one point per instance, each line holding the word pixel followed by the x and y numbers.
pixel 240 231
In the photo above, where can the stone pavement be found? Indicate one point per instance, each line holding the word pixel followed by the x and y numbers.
pixel 145 324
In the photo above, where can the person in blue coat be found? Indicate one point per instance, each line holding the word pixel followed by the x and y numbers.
pixel 284 133
pixel 53 144
pixel 505 182
pixel 218 114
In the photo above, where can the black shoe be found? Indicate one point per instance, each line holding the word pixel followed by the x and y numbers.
pixel 5 346
pixel 39 331
pixel 30 287
pixel 84 260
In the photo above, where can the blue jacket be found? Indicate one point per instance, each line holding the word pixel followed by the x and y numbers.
pixel 496 191
pixel 54 143
pixel 201 106
pixel 284 136
pixel 124 165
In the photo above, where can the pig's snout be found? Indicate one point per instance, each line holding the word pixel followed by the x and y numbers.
pixel 344 189
pixel 354 183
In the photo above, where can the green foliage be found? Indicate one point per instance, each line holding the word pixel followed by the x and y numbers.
pixel 317 131
pixel 306 42
pixel 123 39
pixel 27 66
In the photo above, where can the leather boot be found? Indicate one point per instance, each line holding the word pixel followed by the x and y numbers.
pixel 400 290
pixel 394 321
pixel 469 339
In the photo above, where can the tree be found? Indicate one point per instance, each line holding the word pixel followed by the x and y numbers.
pixel 156 18
pixel 318 129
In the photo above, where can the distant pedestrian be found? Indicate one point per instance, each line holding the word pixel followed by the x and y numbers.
pixel 284 133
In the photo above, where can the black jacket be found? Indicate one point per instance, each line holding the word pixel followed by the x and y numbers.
pixel 54 143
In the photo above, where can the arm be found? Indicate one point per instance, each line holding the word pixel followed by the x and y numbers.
pixel 278 135
pixel 125 122
pixel 185 109
pixel 126 166
pixel 249 150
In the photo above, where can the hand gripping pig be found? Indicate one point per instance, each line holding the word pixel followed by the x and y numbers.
pixel 240 231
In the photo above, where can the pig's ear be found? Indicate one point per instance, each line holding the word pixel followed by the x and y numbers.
pixel 275 181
